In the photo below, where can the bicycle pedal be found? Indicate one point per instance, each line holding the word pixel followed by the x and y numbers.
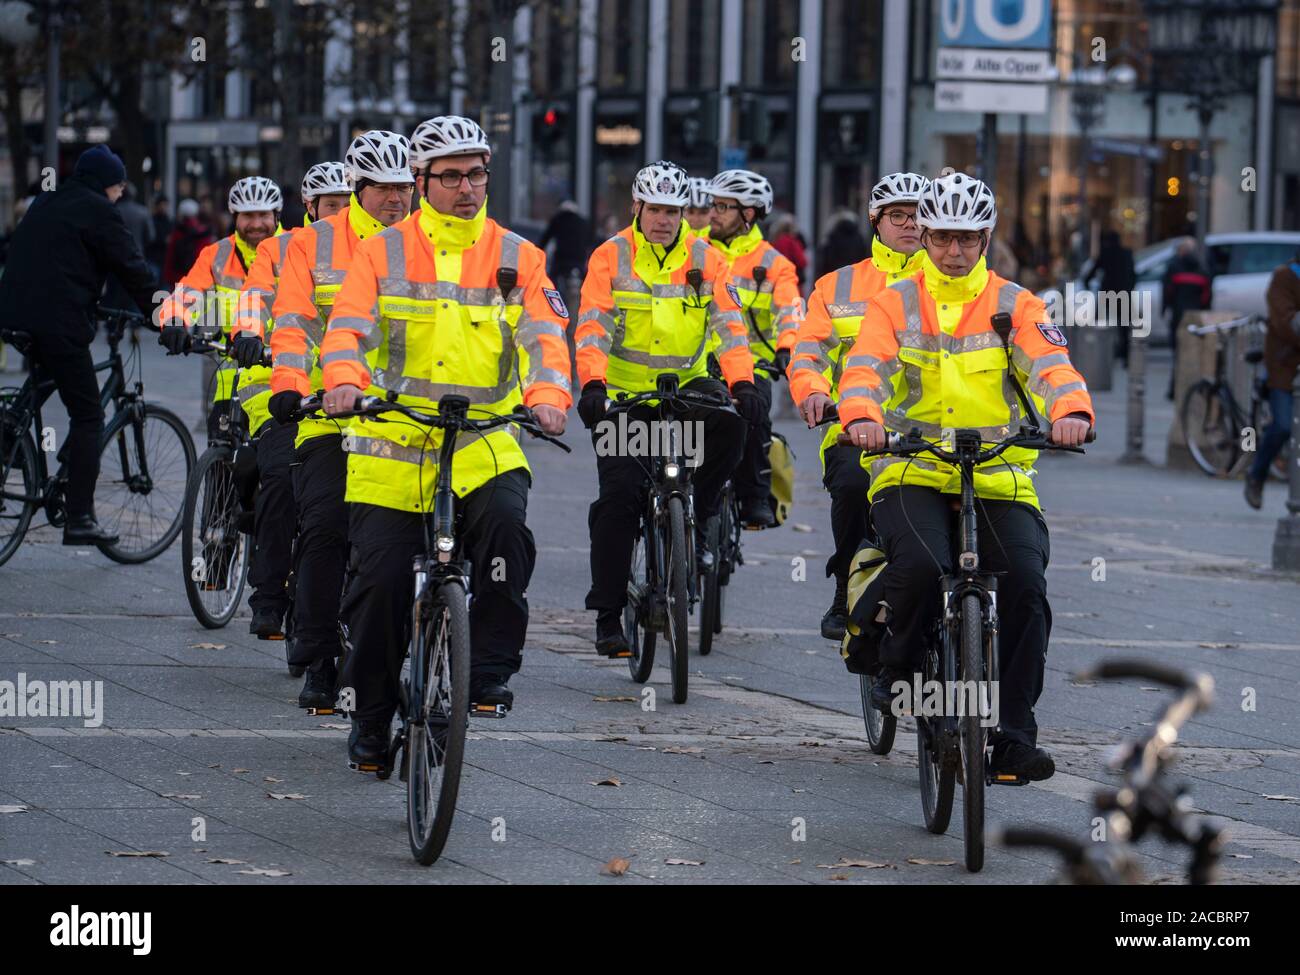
pixel 621 655
pixel 365 766
pixel 322 712
pixel 488 710
pixel 273 636
pixel 1001 779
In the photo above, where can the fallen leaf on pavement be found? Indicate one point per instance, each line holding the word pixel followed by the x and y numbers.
pixel 866 864
pixel 800 527
pixel 137 853
pixel 675 862
pixel 766 761
pixel 1218 646
pixel 1241 856
pixel 616 867
pixel 335 727
pixel 50 642
pixel 609 781
pixel 811 744
pixel 680 750
pixel 839 876
pixel 259 872
pixel 286 795
pixel 18 863
pixel 224 860
pixel 923 862
pixel 608 700
pixel 271 778
pixel 1284 798
pixel 796 861
pixel 13 809
pixel 241 770
pixel 208 646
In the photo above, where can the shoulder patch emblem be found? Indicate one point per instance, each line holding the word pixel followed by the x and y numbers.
pixel 556 302
pixel 1052 334
pixel 735 295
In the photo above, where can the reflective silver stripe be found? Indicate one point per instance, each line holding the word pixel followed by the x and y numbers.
pixel 896 420
pixel 881 368
pixel 341 355
pixel 765 262
pixel 431 291
pixel 970 343
pixel 601 342
pixel 529 335
pixel 545 374
pixel 660 361
pixel 246 393
pixel 913 328
pixel 784 317
pixel 732 341
pixel 699 253
pixel 292 319
pixel 370 332
pixel 1007 295
pixel 809 364
pixel 595 314
pixel 813 349
pixel 843 286
pixel 219 261
pixel 510 242
pixel 356 443
pixel 427 389
pixel 1054 393
pixel 879 466
pixel 864 391
pixel 327 275
pixel 624 279
pixel 291 360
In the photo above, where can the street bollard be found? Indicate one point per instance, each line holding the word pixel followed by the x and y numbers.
pixel 1286 540
pixel 1136 376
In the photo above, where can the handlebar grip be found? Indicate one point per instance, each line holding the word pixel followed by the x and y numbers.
pixel 1127 667
pixel 1036 836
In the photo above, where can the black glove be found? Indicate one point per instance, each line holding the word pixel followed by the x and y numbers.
pixel 283 405
pixel 748 403
pixel 782 360
pixel 174 338
pixel 591 404
pixel 247 351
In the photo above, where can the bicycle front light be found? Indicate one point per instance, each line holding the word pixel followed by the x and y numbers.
pixel 671 471
pixel 445 543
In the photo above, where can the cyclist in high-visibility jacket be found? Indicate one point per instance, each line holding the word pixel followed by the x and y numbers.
pixel 444 302
pixel 648 309
pixel 210 294
pixel 763 286
pixel 835 310
pixel 928 357
pixel 377 180
pixel 696 213
pixel 275 514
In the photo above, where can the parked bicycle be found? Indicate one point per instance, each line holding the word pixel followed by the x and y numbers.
pixel 1146 803
pixel 1214 422
pixel 146 454
pixel 434 695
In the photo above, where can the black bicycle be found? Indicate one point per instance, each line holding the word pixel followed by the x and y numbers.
pixel 216 541
pixel 722 534
pixel 661 588
pixel 1146 803
pixel 434 696
pixel 1214 422
pixel 146 455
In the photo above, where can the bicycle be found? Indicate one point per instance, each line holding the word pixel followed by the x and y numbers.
pixel 215 542
pixel 146 455
pixel 1212 419
pixel 434 699
pixel 722 535
pixel 661 588
pixel 1145 803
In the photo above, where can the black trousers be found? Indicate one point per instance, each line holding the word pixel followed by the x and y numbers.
pixel 623 479
pixel 847 481
pixel 274 518
pixel 69 363
pixel 320 475
pixel 918 528
pixel 377 608
pixel 753 476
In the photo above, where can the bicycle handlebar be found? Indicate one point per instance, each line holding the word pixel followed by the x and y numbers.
pixel 223 347
pixel 625 402
pixel 1227 326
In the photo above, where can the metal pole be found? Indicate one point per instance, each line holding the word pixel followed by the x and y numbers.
pixel 1286 540
pixel 989 161
pixel 1205 115
pixel 1136 377
pixel 52 71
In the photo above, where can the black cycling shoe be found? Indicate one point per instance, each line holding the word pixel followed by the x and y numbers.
pixel 318 688
pixel 837 617
pixel 1024 761
pixel 491 693
pixel 85 530
pixel 757 513
pixel 882 689
pixel 704 558
pixel 610 641
pixel 368 742
pixel 268 624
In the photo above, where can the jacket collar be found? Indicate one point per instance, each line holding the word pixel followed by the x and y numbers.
pixel 448 231
pixel 652 260
pixel 962 290
pixel 739 245
pixel 361 222
pixel 890 261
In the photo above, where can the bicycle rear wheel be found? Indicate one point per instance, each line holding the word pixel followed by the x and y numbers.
pixel 638 624
pixel 938 775
pixel 1208 425
pixel 144 466
pixel 881 728
pixel 214 552
pixel 972 734
pixel 711 590
pixel 438 712
pixel 19 486
pixel 678 608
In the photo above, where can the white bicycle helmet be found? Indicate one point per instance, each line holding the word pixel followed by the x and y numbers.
pixel 662 182
pixel 895 188
pixel 379 156
pixel 253 194
pixel 447 135
pixel 957 202
pixel 323 179
pixel 745 187
pixel 698 187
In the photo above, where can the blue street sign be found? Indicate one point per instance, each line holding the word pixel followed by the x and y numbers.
pixel 734 157
pixel 995 23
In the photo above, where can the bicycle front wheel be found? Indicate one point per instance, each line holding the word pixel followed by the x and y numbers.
pixel 214 552
pixel 638 622
pixel 19 486
pixel 676 591
pixel 1210 430
pixel 972 734
pixel 144 465
pixel 438 712
pixel 881 728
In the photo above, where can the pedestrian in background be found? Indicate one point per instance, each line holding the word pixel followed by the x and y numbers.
pixel 161 218
pixel 1186 288
pixel 1281 357
pixel 572 237
pixel 1114 265
pixel 191 234
pixel 787 239
pixel 843 244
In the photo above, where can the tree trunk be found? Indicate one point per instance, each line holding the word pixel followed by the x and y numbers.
pixel 131 136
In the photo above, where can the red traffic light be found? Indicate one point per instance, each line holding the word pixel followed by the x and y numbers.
pixel 550 116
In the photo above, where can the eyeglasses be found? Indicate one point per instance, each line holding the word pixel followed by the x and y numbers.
pixel 900 218
pixel 724 207
pixel 450 178
pixel 966 240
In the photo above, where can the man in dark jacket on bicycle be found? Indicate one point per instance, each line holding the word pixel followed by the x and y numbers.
pixel 59 257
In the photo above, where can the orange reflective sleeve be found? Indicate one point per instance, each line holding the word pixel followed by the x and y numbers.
pixel 353 330
pixel 293 309
pixel 540 338
pixel 864 384
pixel 258 293
pixel 787 302
pixel 811 348
pixel 1042 362
pixel 595 330
pixel 185 303
pixel 728 323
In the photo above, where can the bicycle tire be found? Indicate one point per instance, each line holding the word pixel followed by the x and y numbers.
pixel 638 627
pixel 880 727
pixel 1208 428
pixel 678 599
pixel 17 457
pixel 938 777
pixel 211 519
pixel 711 590
pixel 972 735
pixel 438 707
pixel 128 432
